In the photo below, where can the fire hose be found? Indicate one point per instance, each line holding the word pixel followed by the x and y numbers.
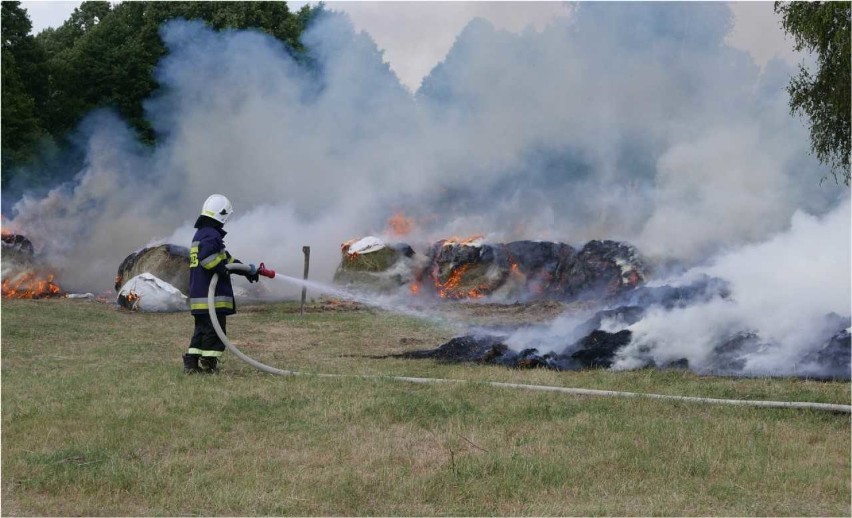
pixel 262 270
pixel 211 294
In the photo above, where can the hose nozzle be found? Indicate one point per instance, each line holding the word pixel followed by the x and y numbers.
pixel 266 272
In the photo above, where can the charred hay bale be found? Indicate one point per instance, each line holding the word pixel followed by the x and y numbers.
pixel 476 349
pixel 833 359
pixel 594 351
pixel 537 262
pixel 532 359
pixel 598 349
pixel 537 256
pixel 601 269
pixel 169 263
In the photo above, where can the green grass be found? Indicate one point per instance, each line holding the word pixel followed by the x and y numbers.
pixel 98 420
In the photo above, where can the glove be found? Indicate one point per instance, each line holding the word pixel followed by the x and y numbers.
pixel 252 275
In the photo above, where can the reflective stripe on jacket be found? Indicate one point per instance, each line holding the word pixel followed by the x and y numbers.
pixel 206 254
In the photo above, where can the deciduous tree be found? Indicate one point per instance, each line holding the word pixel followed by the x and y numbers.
pixel 823 95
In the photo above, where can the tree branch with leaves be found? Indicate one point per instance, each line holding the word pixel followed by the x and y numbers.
pixel 823 95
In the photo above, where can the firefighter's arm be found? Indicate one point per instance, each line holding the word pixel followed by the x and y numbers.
pixel 212 255
pixel 252 275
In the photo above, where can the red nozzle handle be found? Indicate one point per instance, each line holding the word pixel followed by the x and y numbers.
pixel 266 272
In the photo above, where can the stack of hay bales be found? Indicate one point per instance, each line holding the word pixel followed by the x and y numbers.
pixel 532 270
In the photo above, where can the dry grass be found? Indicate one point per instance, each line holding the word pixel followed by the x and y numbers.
pixel 98 420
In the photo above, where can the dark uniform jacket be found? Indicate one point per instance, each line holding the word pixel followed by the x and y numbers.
pixel 207 256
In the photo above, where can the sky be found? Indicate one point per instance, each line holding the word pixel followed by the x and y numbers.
pixel 416 36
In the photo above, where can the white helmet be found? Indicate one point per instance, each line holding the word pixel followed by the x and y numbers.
pixel 217 207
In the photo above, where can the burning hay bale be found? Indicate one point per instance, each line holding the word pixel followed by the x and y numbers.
pixel 30 284
pixel 465 269
pixel 168 263
pixel 532 270
pixel 470 268
pixel 24 277
pixel 371 263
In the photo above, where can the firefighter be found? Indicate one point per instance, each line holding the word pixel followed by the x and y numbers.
pixel 207 256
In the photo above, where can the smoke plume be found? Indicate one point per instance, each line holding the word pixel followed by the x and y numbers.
pixel 623 121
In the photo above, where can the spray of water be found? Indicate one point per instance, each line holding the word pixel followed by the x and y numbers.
pixel 389 304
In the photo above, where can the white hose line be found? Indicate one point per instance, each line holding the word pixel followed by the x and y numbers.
pixel 541 388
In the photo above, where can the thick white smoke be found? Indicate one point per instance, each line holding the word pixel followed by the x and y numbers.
pixel 626 121
pixel 782 290
pixel 785 298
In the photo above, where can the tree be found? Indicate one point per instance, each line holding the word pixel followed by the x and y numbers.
pixel 823 28
pixel 24 85
pixel 102 57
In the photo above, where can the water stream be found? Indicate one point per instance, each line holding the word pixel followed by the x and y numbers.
pixel 389 304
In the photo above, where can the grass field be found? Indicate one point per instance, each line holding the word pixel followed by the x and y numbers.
pixel 99 420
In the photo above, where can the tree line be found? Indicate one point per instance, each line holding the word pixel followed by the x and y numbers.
pixel 103 55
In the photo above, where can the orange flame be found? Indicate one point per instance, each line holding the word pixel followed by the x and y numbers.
pixel 399 225
pixel 450 288
pixel 457 240
pixel 5 231
pixel 452 282
pixel 415 288
pixel 634 278
pixel 30 285
pixel 344 248
pixel 475 294
pixel 132 299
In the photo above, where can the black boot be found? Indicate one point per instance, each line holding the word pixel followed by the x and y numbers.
pixel 209 365
pixel 190 364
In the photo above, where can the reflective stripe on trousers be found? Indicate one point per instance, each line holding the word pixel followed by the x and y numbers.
pixel 199 352
pixel 221 302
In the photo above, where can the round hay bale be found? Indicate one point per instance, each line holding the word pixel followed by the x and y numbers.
pixel 169 263
pixel 375 265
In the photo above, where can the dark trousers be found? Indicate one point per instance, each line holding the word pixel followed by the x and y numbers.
pixel 205 341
